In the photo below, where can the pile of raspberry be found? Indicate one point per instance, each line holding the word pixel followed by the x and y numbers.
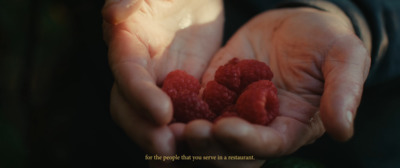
pixel 240 88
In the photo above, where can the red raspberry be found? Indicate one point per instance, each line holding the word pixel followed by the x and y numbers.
pixel 263 84
pixel 252 71
pixel 179 81
pixel 258 102
pixel 218 97
pixel 229 111
pixel 188 106
pixel 233 61
pixel 258 105
pixel 229 75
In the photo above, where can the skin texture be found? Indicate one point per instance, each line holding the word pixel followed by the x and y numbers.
pixel 319 68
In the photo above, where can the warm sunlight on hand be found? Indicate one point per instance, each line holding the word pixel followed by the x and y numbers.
pixel 147 39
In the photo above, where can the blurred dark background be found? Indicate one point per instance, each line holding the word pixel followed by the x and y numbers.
pixel 54 88
pixel 54 96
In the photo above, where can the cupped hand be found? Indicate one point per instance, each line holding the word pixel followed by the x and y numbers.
pixel 147 39
pixel 319 67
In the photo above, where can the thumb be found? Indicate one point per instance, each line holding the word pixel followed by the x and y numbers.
pixel 345 69
pixel 117 11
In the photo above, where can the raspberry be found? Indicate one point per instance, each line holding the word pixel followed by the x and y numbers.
pixel 263 84
pixel 229 75
pixel 179 81
pixel 240 88
pixel 188 106
pixel 229 111
pixel 252 71
pixel 233 61
pixel 218 97
pixel 258 105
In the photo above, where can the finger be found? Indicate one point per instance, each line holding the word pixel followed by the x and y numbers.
pixel 116 11
pixel 202 143
pixel 129 59
pixel 345 70
pixel 296 106
pixel 178 129
pixel 283 136
pixel 296 133
pixel 152 138
pixel 244 137
pixel 198 135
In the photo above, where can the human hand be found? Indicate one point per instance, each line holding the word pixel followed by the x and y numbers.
pixel 319 67
pixel 147 40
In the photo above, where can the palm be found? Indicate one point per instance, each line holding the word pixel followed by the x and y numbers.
pixel 177 34
pixel 306 50
pixel 294 56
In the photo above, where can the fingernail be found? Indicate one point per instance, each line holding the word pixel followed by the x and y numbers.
pixel 349 116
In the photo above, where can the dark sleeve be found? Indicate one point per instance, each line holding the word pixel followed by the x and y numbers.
pixel 380 18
